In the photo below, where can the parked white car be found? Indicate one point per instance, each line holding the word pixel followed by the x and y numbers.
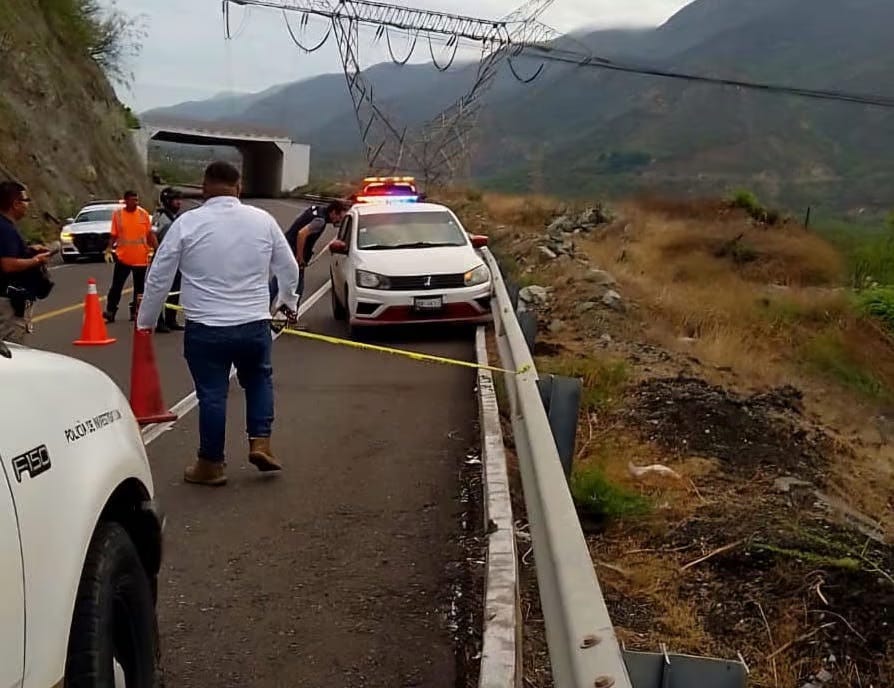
pixel 86 235
pixel 80 537
pixel 407 263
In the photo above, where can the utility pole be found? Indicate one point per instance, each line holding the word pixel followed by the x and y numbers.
pixel 440 150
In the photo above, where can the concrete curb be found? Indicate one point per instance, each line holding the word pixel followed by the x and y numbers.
pixel 501 637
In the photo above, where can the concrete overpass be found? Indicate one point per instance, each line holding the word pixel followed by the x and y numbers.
pixel 271 162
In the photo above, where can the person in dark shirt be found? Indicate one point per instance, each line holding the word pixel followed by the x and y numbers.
pixel 170 203
pixel 303 235
pixel 16 259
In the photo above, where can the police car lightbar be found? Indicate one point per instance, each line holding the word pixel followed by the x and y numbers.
pixel 388 199
pixel 385 180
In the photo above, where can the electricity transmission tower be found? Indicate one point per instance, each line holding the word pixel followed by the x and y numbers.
pixel 439 150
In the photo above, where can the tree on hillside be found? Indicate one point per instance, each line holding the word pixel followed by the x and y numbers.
pixel 110 37
pixel 116 38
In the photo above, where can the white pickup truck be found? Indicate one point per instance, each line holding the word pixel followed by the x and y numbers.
pixel 80 537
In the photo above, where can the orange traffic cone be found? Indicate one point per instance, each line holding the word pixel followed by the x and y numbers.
pixel 145 385
pixel 93 331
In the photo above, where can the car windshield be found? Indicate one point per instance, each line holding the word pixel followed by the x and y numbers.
pixel 95 215
pixel 384 231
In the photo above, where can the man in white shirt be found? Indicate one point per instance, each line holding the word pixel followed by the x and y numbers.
pixel 225 252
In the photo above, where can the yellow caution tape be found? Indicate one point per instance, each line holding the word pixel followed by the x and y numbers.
pixel 415 355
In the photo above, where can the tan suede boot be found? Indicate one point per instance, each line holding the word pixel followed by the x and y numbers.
pixel 204 472
pixel 261 455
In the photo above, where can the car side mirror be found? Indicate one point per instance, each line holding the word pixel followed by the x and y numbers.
pixel 338 247
pixel 69 220
pixel 479 240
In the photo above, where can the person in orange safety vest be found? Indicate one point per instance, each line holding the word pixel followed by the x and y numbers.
pixel 131 245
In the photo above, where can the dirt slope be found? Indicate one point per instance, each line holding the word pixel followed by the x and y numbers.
pixel 62 129
pixel 731 352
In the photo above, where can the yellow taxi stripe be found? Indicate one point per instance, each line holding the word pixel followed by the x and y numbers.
pixel 69 309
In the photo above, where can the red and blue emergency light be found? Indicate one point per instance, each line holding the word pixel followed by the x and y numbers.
pixel 388 190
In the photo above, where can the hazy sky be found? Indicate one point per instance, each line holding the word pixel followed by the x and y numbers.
pixel 185 55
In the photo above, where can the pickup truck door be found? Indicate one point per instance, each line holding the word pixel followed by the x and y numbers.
pixel 12 593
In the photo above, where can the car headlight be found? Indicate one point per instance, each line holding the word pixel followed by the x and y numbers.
pixel 476 276
pixel 65 236
pixel 372 280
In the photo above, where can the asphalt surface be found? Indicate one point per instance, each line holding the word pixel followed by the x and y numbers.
pixel 340 571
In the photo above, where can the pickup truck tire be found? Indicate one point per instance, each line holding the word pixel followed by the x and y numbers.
pixel 114 618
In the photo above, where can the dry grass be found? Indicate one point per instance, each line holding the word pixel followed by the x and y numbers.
pixel 745 294
pixel 768 304
pixel 521 211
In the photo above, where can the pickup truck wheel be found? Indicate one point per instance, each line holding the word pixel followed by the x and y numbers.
pixel 113 639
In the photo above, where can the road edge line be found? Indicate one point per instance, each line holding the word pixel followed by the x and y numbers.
pixel 190 401
pixel 501 636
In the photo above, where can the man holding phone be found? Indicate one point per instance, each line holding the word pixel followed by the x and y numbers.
pixel 18 264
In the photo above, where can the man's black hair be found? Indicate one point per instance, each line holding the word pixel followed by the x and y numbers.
pixel 221 172
pixel 131 194
pixel 10 192
pixel 335 207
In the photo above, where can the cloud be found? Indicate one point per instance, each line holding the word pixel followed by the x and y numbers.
pixel 185 55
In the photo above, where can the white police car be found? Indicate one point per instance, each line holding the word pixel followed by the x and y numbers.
pixel 80 538
pixel 407 262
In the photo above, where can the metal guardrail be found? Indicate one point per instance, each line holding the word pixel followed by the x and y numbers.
pixel 584 651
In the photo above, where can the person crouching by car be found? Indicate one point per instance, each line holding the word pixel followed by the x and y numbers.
pixel 22 267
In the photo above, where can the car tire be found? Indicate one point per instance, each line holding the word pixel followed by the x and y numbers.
pixel 68 259
pixel 114 619
pixel 338 310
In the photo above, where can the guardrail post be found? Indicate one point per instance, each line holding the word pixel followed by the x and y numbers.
pixel 561 399
pixel 528 323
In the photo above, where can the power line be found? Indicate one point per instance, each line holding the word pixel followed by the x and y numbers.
pixel 550 54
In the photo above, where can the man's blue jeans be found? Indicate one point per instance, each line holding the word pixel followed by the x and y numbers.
pixel 274 288
pixel 209 353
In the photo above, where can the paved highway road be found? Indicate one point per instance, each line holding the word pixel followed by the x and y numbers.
pixel 337 572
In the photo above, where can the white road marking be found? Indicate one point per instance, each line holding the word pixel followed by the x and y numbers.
pixel 190 401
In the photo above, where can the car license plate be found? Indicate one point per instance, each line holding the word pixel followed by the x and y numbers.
pixel 428 303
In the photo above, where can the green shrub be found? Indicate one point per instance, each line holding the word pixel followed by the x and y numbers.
pixel 827 355
pixel 872 262
pixel 878 302
pixel 603 379
pixel 746 200
pixel 130 119
pixel 598 498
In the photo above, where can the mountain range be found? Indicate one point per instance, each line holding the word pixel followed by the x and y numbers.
pixel 579 130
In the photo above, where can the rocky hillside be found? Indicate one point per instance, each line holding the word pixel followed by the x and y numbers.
pixel 62 130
